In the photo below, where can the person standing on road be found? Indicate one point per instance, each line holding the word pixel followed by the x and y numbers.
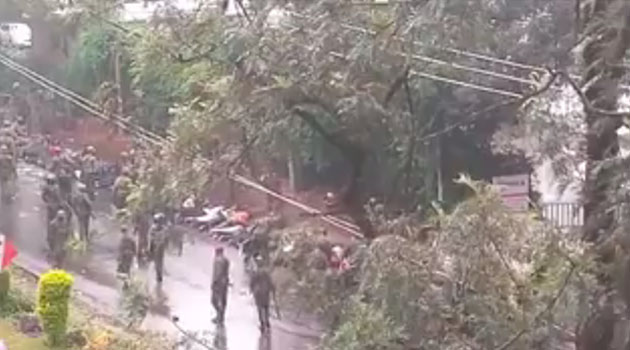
pixel 142 226
pixel 122 188
pixel 7 171
pixel 82 205
pixel 52 198
pixel 58 237
pixel 88 170
pixel 262 288
pixel 126 253
pixel 158 245
pixel 220 283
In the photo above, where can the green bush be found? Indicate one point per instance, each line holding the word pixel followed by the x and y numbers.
pixel 53 297
pixel 5 285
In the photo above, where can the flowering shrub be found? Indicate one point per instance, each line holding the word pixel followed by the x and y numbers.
pixel 53 297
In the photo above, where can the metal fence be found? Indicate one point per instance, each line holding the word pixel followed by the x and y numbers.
pixel 563 214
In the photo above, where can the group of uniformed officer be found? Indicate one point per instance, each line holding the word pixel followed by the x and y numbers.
pixel 69 191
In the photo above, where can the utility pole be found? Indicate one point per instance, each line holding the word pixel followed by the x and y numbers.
pixel 119 93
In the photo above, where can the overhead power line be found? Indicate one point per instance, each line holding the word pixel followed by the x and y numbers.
pixel 138 130
pixel 77 99
pixel 459 52
pixel 446 80
pixel 437 61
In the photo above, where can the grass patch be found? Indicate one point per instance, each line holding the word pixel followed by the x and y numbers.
pixel 15 340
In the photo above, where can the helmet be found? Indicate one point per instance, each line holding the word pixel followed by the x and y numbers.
pixel 4 147
pixel 90 149
pixel 159 217
pixel 51 178
pixel 6 123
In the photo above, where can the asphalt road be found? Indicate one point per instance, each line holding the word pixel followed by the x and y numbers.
pixel 185 291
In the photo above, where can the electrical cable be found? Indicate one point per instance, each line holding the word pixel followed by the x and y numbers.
pixel 91 106
pixel 96 112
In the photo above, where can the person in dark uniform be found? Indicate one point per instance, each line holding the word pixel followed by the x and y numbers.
pixel 59 234
pixel 262 289
pixel 220 283
pixel 7 172
pixel 52 198
pixel 82 205
pixel 159 242
pixel 126 253
pixel 122 188
pixel 88 170
pixel 142 226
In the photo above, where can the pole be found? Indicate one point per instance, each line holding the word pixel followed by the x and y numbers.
pixel 118 73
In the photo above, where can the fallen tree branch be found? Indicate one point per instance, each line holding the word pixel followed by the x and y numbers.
pixel 552 303
pixel 396 85
pixel 588 107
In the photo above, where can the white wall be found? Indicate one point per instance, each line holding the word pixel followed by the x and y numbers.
pixel 549 185
pixel 15 35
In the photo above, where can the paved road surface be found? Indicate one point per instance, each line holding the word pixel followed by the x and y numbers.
pixel 185 292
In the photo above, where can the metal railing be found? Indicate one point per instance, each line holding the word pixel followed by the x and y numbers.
pixel 563 214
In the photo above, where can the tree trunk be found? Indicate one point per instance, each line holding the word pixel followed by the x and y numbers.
pixel 606 47
pixel 294 165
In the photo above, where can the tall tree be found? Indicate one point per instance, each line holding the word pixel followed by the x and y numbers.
pixel 607 31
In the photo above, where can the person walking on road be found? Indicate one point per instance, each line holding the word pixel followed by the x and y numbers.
pixel 7 173
pixel 141 227
pixel 262 289
pixel 158 244
pixel 52 198
pixel 82 205
pixel 220 283
pixel 126 253
pixel 58 237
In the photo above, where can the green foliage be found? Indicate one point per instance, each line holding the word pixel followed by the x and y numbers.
pixel 12 301
pixel 90 63
pixel 53 298
pixel 5 284
pixel 135 302
pixel 364 327
pixel 484 276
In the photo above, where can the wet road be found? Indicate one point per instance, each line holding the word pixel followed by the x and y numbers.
pixel 185 291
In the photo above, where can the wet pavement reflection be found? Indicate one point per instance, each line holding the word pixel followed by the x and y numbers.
pixel 184 293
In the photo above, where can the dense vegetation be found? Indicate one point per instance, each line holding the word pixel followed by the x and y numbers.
pixel 392 102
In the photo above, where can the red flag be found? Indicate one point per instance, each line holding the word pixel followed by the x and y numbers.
pixel 8 252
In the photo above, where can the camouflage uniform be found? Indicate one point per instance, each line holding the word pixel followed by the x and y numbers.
pixel 220 283
pixel 159 242
pixel 52 198
pixel 126 253
pixel 59 234
pixel 142 227
pixel 7 172
pixel 88 172
pixel 122 188
pixel 82 205
pixel 262 288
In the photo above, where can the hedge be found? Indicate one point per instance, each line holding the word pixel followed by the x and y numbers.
pixel 53 297
pixel 5 285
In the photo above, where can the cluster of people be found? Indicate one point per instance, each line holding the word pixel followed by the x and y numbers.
pixel 260 283
pixel 11 136
pixel 68 193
